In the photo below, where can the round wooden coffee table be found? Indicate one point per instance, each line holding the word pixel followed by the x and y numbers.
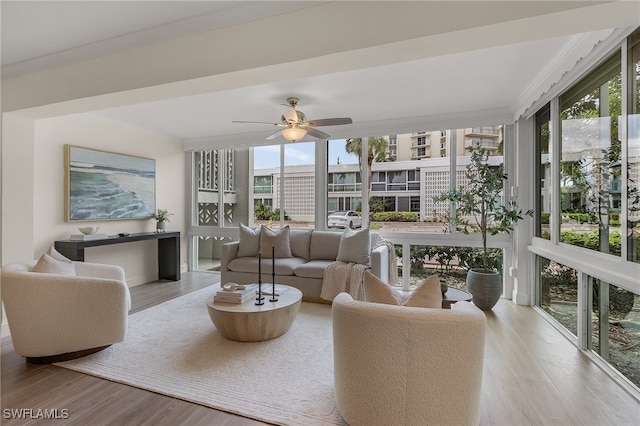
pixel 248 322
pixel 454 295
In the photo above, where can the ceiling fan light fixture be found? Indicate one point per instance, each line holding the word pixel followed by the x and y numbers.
pixel 293 133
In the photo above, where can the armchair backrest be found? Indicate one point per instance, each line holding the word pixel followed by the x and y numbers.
pixel 402 365
pixel 50 314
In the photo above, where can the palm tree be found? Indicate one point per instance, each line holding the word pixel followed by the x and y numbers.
pixel 377 148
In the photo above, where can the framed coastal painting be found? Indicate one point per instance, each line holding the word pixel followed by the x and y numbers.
pixel 102 185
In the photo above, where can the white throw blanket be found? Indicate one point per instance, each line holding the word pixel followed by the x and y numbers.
pixel 377 241
pixel 349 277
pixel 343 277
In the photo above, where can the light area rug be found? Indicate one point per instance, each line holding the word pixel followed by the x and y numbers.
pixel 174 349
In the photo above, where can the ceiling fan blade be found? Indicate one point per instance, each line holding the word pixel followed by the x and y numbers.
pixel 329 122
pixel 257 122
pixel 316 133
pixel 273 135
pixel 290 115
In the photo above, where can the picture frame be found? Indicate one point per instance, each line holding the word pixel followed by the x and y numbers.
pixel 102 185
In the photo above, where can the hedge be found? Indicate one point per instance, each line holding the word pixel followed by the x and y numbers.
pixel 395 217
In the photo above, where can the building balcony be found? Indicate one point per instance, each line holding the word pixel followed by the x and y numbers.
pixel 483 132
pixel 417 155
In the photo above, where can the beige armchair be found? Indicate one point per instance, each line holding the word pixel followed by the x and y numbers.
pixel 56 317
pixel 397 365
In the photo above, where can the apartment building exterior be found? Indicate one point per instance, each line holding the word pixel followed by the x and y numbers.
pixel 417 170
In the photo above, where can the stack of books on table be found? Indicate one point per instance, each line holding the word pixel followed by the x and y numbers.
pixel 236 296
pixel 86 237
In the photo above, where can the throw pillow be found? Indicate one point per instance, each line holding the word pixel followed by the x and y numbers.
pixel 427 294
pixel 249 244
pixel 377 291
pixel 277 241
pixel 57 255
pixel 355 247
pixel 48 265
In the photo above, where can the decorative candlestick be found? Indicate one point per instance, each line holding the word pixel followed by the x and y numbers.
pixel 260 298
pixel 273 275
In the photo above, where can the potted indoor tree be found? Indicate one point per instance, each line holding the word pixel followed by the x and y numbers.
pixel 479 208
pixel 161 216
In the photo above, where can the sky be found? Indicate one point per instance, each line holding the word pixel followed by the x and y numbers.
pixel 299 153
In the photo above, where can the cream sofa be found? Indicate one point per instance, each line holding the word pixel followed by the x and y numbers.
pixel 397 365
pixel 54 317
pixel 312 251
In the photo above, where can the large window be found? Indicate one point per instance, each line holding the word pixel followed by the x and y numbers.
pixel 590 160
pixel 344 177
pixel 284 191
pixel 587 265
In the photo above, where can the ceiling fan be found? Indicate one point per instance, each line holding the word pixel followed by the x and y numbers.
pixel 296 126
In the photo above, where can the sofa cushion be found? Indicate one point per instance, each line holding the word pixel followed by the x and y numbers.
pixel 324 245
pixel 312 269
pixel 249 244
pixel 283 266
pixel 300 240
pixel 276 241
pixel 355 247
pixel 426 295
pixel 48 265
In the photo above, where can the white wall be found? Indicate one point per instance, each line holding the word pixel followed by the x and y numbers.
pixel 33 189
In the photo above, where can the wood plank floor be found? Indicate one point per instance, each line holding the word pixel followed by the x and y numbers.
pixel 533 376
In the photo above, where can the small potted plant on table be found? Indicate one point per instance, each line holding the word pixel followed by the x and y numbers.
pixel 161 216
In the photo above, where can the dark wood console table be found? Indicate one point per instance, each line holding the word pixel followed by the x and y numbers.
pixel 168 250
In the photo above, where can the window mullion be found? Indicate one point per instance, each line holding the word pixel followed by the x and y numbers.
pixel 453 173
pixel 554 160
pixel 624 149
pixel 584 303
pixel 282 185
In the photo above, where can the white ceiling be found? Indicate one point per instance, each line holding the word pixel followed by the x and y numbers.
pixel 396 96
pixel 45 33
pixel 483 79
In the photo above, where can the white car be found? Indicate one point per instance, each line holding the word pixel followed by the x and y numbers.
pixel 344 219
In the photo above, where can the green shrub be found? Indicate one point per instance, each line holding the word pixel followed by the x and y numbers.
pixel 395 217
pixel 591 240
pixel 263 212
pixel 544 218
pixel 581 217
